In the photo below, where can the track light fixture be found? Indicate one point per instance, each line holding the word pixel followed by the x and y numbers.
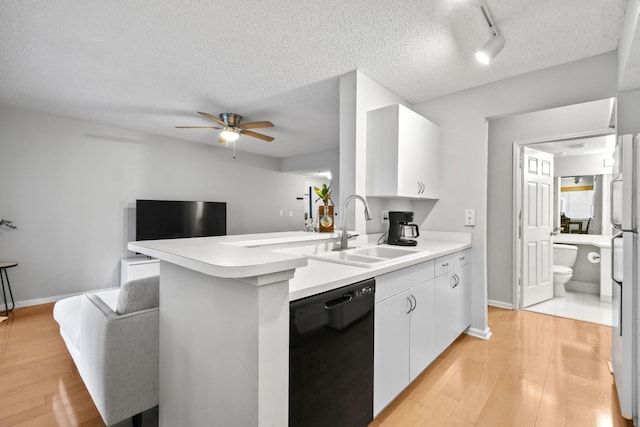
pixel 494 45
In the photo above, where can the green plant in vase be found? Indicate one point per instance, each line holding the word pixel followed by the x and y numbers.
pixel 324 194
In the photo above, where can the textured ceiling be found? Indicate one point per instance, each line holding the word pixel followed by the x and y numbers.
pixel 150 65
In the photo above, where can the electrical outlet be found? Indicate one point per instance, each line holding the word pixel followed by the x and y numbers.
pixel 384 216
pixel 290 213
pixel 281 213
pixel 470 217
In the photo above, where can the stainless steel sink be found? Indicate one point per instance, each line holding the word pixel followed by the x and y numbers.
pixel 364 257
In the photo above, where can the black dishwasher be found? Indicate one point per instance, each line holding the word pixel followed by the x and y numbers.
pixel 331 358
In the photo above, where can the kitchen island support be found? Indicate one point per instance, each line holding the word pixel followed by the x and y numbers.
pixel 222 348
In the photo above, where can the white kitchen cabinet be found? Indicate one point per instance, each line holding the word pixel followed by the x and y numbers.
pixel 462 292
pixel 452 297
pixel 137 268
pixel 403 154
pixel 404 323
pixel 391 350
pixel 421 348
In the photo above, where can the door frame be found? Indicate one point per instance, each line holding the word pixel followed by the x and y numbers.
pixel 516 269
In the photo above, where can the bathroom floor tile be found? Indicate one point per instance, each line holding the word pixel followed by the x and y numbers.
pixel 576 305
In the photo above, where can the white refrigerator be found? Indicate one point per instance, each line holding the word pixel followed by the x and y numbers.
pixel 625 253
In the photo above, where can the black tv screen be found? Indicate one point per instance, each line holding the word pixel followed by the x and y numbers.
pixel 173 219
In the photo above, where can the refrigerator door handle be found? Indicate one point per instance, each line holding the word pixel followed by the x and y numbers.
pixel 616 236
pixel 616 202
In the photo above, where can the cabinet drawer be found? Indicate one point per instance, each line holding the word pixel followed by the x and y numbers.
pixel 462 258
pixel 444 265
pixel 398 281
pixel 138 269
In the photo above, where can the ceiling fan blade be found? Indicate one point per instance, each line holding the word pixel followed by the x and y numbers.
pixel 214 118
pixel 254 125
pixel 256 135
pixel 197 127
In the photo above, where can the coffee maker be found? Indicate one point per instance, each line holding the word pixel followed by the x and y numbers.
pixel 401 230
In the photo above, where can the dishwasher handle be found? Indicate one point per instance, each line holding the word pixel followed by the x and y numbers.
pixel 337 302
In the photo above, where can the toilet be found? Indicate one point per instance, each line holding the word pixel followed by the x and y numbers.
pixel 564 258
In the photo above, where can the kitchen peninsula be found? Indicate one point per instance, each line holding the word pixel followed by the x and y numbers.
pixel 224 316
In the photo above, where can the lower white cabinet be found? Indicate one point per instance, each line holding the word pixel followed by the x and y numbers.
pixel 462 292
pixel 390 350
pixel 416 318
pixel 452 295
pixel 404 323
pixel 138 268
pixel 421 349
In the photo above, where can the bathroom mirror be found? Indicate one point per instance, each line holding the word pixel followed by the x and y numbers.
pixel 583 203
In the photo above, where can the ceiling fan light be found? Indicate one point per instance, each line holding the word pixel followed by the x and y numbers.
pixel 229 135
pixel 490 49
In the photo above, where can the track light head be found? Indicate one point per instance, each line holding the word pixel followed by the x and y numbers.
pixel 490 49
pixel 495 44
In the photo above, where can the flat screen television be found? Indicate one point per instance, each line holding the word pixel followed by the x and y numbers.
pixel 174 219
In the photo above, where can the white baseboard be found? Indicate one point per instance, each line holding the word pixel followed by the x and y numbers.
pixel 588 287
pixel 46 300
pixel 500 304
pixel 484 334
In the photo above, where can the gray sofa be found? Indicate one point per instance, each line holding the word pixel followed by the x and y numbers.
pixel 113 339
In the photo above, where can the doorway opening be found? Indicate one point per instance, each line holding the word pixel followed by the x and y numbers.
pixel 568 210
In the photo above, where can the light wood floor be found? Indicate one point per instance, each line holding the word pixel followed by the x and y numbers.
pixel 535 370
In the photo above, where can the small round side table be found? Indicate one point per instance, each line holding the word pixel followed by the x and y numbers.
pixel 3 269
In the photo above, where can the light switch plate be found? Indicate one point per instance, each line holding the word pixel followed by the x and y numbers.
pixel 469 217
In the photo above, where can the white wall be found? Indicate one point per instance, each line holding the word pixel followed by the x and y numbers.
pixel 629 47
pixel 70 187
pixel 592 164
pixel 628 108
pixel 503 132
pixel 466 160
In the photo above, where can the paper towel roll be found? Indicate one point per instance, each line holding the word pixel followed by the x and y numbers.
pixel 593 257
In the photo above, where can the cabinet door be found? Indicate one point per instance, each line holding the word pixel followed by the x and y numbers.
pixel 462 292
pixel 418 156
pixel 391 349
pixel 444 308
pixel 422 351
pixel 412 153
pixel 429 172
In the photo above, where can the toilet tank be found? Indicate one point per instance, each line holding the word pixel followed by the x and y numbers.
pixel 564 254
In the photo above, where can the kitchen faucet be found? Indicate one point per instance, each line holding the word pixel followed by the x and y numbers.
pixel 344 239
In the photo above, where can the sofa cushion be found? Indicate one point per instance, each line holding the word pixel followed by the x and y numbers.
pixel 67 313
pixel 139 294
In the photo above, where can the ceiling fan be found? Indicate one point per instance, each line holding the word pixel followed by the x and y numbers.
pixel 232 127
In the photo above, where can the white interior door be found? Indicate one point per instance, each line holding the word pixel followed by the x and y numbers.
pixel 536 226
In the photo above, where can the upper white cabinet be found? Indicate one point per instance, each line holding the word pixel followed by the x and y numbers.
pixel 403 154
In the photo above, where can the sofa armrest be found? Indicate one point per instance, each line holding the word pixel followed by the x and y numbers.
pixel 119 359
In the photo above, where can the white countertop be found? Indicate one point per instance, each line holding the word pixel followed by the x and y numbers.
pixel 250 255
pixel 321 276
pixel 223 256
pixel 583 239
